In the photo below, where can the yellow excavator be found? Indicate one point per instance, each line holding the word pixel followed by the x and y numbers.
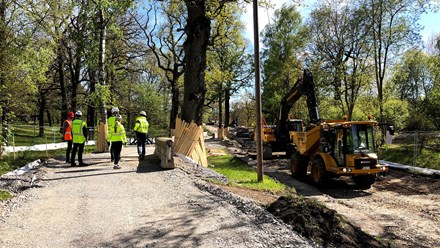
pixel 327 148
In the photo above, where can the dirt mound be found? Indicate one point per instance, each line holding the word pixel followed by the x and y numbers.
pixel 320 224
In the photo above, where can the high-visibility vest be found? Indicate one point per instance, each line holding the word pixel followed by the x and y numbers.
pixel 141 125
pixel 111 122
pixel 68 131
pixel 77 131
pixel 117 133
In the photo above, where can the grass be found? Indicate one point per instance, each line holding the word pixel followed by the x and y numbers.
pixel 8 163
pixel 404 154
pixel 241 175
pixel 27 135
pixel 4 195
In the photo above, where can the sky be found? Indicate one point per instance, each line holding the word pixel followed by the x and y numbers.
pixel 430 21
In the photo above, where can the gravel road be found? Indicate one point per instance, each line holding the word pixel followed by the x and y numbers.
pixel 140 205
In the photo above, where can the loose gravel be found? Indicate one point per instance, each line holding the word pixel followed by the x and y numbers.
pixel 140 205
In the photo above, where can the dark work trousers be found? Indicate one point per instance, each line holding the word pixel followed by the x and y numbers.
pixel 112 152
pixel 141 139
pixel 117 147
pixel 80 148
pixel 69 149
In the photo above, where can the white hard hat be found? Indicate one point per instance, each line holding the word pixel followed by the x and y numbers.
pixel 78 113
pixel 115 109
pixel 143 113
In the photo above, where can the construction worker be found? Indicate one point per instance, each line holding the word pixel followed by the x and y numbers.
pixel 117 137
pixel 79 132
pixel 111 124
pixel 67 134
pixel 141 129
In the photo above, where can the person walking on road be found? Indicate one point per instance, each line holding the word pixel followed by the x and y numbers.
pixel 79 132
pixel 67 134
pixel 141 129
pixel 117 137
pixel 110 125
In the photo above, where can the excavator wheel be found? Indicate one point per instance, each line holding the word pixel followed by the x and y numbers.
pixel 267 152
pixel 319 174
pixel 298 166
pixel 364 181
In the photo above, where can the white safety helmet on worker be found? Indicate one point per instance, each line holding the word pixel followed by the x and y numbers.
pixel 143 113
pixel 78 113
pixel 115 110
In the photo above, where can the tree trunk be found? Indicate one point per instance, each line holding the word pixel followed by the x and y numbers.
pixel 49 117
pixel 174 104
pixel 101 62
pixel 91 121
pixel 41 108
pixel 227 106
pixel 220 107
pixel 75 69
pixel 197 32
pixel 3 58
pixel 62 82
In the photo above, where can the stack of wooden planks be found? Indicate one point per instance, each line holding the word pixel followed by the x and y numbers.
pixel 189 141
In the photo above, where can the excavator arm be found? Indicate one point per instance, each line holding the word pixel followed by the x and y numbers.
pixel 304 86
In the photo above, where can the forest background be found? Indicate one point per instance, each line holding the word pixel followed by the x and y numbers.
pixel 367 57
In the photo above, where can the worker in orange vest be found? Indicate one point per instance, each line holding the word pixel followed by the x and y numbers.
pixel 67 134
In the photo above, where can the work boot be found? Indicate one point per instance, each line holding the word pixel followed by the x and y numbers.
pixel 117 166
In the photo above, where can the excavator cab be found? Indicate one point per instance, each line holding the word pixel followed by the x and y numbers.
pixel 295 125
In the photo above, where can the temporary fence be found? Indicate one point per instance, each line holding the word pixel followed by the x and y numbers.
pixel 418 140
pixel 32 132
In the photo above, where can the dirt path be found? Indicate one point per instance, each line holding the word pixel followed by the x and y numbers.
pixel 399 207
pixel 140 205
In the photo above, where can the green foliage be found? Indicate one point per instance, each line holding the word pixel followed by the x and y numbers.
pixel 242 175
pixel 283 40
pixel 396 112
pixel 412 77
pixel 148 99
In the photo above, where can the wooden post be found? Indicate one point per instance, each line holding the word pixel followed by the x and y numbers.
pixel 101 141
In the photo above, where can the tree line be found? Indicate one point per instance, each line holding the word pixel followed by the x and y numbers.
pixel 367 57
pixel 188 58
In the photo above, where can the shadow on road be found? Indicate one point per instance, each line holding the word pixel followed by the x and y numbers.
pixel 151 163
pixel 112 172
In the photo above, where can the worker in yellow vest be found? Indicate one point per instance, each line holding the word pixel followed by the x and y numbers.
pixel 67 134
pixel 117 137
pixel 111 124
pixel 79 132
pixel 141 129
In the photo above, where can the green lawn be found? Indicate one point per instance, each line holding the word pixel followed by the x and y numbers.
pixel 404 154
pixel 242 175
pixel 27 135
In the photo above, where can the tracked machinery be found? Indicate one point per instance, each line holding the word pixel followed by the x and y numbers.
pixel 329 148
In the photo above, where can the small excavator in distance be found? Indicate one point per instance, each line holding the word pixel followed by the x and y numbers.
pixel 327 148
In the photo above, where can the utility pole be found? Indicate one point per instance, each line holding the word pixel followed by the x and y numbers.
pixel 258 141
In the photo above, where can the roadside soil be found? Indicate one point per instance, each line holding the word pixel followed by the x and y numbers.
pixel 140 205
pixel 399 210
